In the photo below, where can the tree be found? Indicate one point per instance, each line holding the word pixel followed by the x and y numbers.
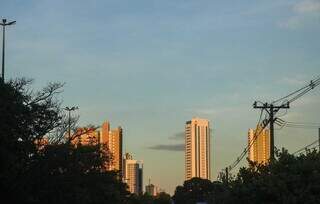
pixel 289 179
pixel 25 117
pixel 192 191
pixel 58 172
pixel 65 173
pixel 162 198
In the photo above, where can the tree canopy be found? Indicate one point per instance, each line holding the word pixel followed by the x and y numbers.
pixel 57 172
pixel 289 179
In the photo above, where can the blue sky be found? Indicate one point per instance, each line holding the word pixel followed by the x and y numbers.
pixel 149 66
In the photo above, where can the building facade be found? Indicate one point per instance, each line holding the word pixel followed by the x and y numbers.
pixel 259 150
pixel 115 147
pixel 197 149
pixel 113 140
pixel 152 190
pixel 86 136
pixel 133 174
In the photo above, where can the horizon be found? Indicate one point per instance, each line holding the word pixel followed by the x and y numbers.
pixel 150 66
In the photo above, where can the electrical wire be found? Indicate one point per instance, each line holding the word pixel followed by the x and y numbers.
pixel 282 123
pixel 296 94
pixel 245 151
pixel 311 85
pixel 306 147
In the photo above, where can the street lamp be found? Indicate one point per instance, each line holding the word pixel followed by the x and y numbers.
pixel 4 24
pixel 69 111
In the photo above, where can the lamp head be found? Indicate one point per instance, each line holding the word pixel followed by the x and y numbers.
pixel 12 23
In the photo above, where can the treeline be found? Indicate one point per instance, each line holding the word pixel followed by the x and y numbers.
pixel 289 179
pixel 51 169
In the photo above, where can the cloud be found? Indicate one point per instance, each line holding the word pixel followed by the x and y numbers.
pixel 168 147
pixel 291 23
pixel 304 12
pixel 307 6
pixel 294 81
pixel 177 136
pixel 171 147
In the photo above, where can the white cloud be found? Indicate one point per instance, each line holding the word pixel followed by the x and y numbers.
pixel 298 81
pixel 307 6
pixel 291 23
pixel 304 12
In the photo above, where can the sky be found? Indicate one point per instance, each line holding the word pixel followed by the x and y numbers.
pixel 149 66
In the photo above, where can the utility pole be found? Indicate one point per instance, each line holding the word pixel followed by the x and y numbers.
pixel 69 119
pixel 271 110
pixel 319 139
pixel 227 175
pixel 4 24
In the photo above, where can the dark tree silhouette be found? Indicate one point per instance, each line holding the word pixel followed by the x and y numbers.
pixel 192 191
pixel 162 198
pixel 288 179
pixel 57 172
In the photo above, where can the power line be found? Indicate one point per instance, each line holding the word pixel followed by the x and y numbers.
pixel 312 85
pixel 308 87
pixel 256 133
pixel 271 110
pixel 306 147
pixel 282 123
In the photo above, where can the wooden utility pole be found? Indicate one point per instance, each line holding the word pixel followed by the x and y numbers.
pixel 271 110
pixel 227 175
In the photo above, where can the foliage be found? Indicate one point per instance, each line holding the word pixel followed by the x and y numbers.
pixel 200 190
pixel 288 179
pixel 58 172
pixel 161 198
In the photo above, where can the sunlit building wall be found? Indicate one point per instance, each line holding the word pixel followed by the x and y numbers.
pixel 197 149
pixel 105 128
pixel 260 149
pixel 152 190
pixel 86 136
pixel 133 174
pixel 113 140
pixel 115 147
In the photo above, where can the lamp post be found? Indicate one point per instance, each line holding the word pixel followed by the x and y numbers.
pixel 4 24
pixel 69 120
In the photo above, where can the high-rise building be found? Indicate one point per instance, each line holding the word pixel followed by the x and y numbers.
pixel 86 136
pixel 152 190
pixel 115 147
pixel 259 151
pixel 133 174
pixel 105 128
pixel 113 140
pixel 197 149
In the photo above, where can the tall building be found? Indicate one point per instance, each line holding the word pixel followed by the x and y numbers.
pixel 197 149
pixel 260 149
pixel 115 147
pixel 152 190
pixel 133 174
pixel 105 128
pixel 113 140
pixel 86 136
